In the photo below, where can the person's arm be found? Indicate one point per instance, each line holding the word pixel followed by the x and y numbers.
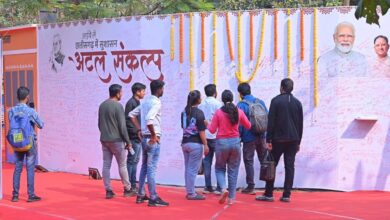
pixel 149 118
pixel 213 126
pixel 271 124
pixel 134 119
pixel 244 120
pixel 36 119
pixel 300 125
pixel 121 120
pixel 201 126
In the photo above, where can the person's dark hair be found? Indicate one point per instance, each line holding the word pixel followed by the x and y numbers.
pixel 381 36
pixel 114 89
pixel 287 85
pixel 228 106
pixel 137 87
pixel 22 93
pixel 155 85
pixel 210 90
pixel 244 89
pixel 192 99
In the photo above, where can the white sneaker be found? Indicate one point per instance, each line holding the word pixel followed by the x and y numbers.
pixel 230 201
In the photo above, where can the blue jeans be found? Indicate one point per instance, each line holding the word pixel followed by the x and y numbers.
pixel 31 156
pixel 192 160
pixel 150 156
pixel 132 162
pixel 228 152
pixel 208 161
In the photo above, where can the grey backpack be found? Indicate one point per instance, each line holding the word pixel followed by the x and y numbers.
pixel 257 116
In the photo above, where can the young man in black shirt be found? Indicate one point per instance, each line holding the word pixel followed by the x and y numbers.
pixel 138 90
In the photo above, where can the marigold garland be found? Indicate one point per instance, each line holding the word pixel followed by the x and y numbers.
pixel 275 34
pixel 181 43
pixel 288 44
pixel 202 15
pixel 172 38
pixel 191 54
pixel 228 36
pixel 259 52
pixel 315 55
pixel 302 34
pixel 251 36
pixel 215 47
pixel 239 57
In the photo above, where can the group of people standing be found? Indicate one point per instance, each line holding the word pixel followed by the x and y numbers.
pixel 210 128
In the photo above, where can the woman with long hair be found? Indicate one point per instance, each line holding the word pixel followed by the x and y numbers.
pixel 194 142
pixel 228 148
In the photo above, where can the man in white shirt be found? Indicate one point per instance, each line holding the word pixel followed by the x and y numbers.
pixel 150 111
pixel 342 60
pixel 209 105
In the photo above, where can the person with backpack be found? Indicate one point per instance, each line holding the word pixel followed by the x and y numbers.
pixel 227 151
pixel 253 139
pixel 194 142
pixel 284 135
pixel 21 137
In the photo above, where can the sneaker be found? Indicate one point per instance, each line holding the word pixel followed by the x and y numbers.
pixel 141 199
pixel 218 192
pixel 33 198
pixel 265 198
pixel 208 190
pixel 158 202
pixel 15 199
pixel 248 190
pixel 127 193
pixel 196 197
pixel 285 199
pixel 223 198
pixel 110 194
pixel 230 201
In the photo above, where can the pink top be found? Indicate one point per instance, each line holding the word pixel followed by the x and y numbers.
pixel 225 128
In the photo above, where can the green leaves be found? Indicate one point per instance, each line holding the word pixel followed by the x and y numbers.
pixel 368 9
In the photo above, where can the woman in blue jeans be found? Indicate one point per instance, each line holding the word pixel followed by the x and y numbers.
pixel 194 142
pixel 228 148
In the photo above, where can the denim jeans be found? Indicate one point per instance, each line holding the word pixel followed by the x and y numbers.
pixel 31 156
pixel 289 150
pixel 116 149
pixel 208 161
pixel 132 162
pixel 228 152
pixel 248 151
pixel 150 156
pixel 192 160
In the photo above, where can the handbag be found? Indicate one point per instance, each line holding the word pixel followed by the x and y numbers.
pixel 267 169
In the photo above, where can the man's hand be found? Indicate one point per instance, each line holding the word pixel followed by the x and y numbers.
pixel 154 139
pixel 206 149
pixel 269 146
pixel 139 133
pixel 128 146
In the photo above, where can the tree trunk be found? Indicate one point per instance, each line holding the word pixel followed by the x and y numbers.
pixel 346 2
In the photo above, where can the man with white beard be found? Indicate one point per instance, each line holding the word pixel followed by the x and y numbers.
pixel 342 60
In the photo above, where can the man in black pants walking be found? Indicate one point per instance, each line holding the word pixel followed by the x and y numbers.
pixel 284 134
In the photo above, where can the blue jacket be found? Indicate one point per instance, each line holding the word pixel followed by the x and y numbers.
pixel 247 135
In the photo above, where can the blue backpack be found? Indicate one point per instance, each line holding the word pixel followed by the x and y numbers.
pixel 20 133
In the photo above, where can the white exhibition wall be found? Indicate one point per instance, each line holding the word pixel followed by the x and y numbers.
pixel 346 142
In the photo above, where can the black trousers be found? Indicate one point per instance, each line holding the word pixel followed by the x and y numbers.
pixel 289 150
pixel 248 150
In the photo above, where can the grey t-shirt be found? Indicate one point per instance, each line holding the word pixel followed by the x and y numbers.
pixel 112 123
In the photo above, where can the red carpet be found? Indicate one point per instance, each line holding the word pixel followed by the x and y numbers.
pixel 70 196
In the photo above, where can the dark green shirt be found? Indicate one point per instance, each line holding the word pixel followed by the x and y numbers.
pixel 112 123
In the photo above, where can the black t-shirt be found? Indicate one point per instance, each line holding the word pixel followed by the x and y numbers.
pixel 194 124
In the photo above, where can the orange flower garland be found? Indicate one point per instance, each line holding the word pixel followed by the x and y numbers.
pixel 302 34
pixel 275 34
pixel 202 15
pixel 172 39
pixel 181 38
pixel 228 36
pixel 251 36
